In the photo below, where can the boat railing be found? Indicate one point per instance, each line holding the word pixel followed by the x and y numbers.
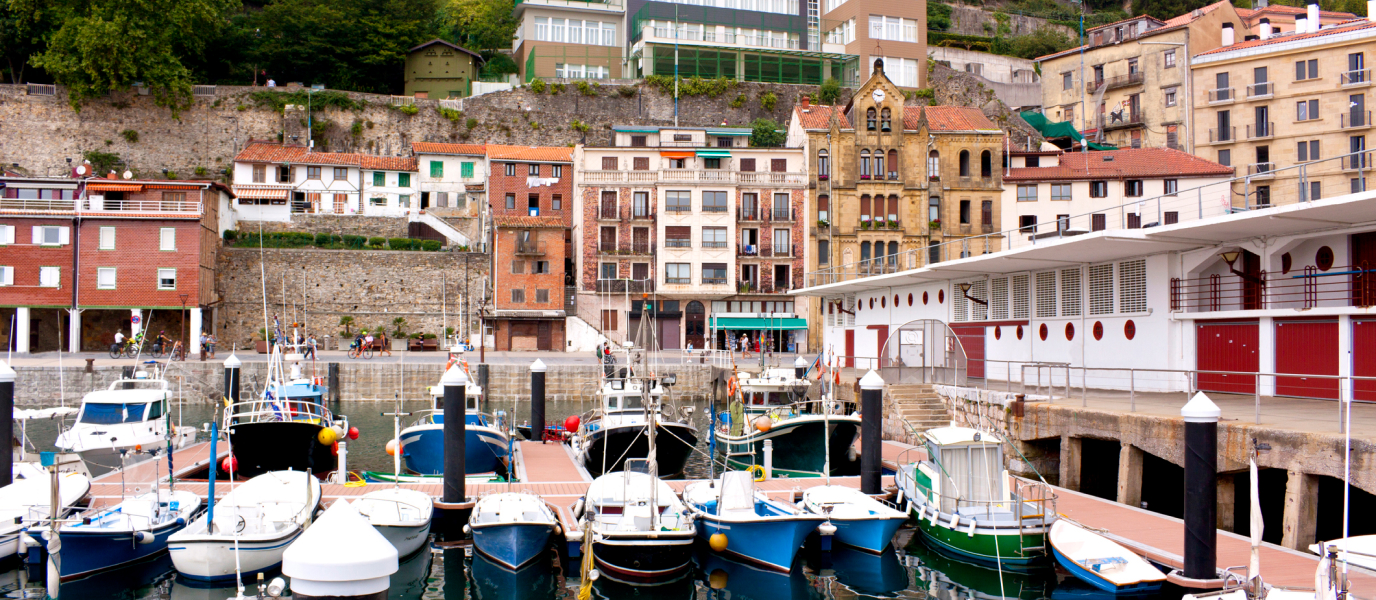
pixel 1025 499
pixel 263 410
pixel 424 417
pixel 804 407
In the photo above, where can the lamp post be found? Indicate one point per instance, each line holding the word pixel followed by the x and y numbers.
pixel 182 330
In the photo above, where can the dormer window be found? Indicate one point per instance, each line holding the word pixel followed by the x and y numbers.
pixel 870 118
pixel 884 119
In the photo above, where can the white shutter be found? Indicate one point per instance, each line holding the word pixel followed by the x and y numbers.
pixel 998 298
pixel 167 239
pixel 1021 296
pixel 6 275
pixel 1132 286
pixel 958 303
pixel 6 234
pixel 1101 289
pixel 49 276
pixel 107 238
pixel 979 289
pixel 1070 292
pixel 1046 294
pixel 105 278
pixel 63 235
pixel 37 235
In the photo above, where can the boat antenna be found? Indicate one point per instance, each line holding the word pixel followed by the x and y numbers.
pixel 396 435
pixel 238 569
pixel 826 429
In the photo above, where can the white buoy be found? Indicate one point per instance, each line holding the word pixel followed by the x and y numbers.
pixel 340 556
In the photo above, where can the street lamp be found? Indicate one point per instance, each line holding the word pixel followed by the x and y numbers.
pixel 965 291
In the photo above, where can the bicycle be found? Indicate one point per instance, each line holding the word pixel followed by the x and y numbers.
pixel 361 348
pixel 117 350
pixel 178 352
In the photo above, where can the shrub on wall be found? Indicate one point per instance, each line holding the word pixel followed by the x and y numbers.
pixel 377 242
pixel 430 245
pixel 355 241
pixel 399 243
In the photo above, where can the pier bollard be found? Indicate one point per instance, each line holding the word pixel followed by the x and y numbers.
pixel 484 371
pixel 871 421
pixel 333 375
pixel 799 367
pixel 7 376
pixel 537 400
pixel 1201 487
pixel 452 510
pixel 232 378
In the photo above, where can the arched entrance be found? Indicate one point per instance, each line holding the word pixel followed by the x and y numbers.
pixel 696 323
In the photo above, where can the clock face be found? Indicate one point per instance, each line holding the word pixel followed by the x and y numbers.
pixel 878 95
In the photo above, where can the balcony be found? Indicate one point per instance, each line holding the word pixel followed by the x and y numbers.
pixel 1360 77
pixel 1220 135
pixel 1118 81
pixel 608 212
pixel 641 213
pixel 641 176
pixel 1122 119
pixel 749 213
pixel 1222 95
pixel 780 215
pixel 1261 169
pixel 1212 293
pixel 632 249
pixel 784 252
pixel 1260 131
pixel 530 248
pixel 1357 162
pixel 1263 89
pixel 771 178
pixel 1354 119
pixel 713 245
pixel 748 250
pixel 623 286
pixel 106 207
pixel 678 243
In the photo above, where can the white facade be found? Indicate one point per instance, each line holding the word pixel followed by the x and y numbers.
pixel 273 191
pixel 457 181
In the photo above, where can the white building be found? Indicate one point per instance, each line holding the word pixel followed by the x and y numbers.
pixel 279 180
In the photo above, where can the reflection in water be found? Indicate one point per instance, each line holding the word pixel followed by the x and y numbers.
pixel 494 582
pixel 870 574
pixel 947 578
pixel 683 588
pixel 739 581
pixel 412 575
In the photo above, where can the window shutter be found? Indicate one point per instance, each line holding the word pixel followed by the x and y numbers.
pixel 37 235
pixel 1046 294
pixel 998 298
pixel 1132 286
pixel 747 165
pixel 6 275
pixel 1101 289
pixel 778 165
pixel 1070 292
pixel 167 239
pixel 6 234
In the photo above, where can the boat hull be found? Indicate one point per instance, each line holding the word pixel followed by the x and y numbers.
pixel 871 535
pixel 1089 577
pixel 512 545
pixel 86 553
pixel 212 559
pixel 770 544
pixel 673 444
pixel 485 450
pixel 798 447
pixel 642 559
pixel 280 446
pixel 407 539
pixel 990 544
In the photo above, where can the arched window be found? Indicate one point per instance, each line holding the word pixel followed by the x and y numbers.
pixel 864 252
pixel 823 164
pixel 878 164
pixel 986 164
pixel 865 207
pixel 864 164
pixel 695 308
pixel 893 254
pixel 884 120
pixel 933 165
pixel 964 163
pixel 893 164
pixel 869 119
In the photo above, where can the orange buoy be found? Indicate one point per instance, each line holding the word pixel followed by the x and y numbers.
pixel 229 464
pixel 392 447
pixel 764 424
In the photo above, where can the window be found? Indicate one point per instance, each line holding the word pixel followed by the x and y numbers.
pixel 50 236
pixel 1132 188
pixel 49 276
pixel 1307 151
pixel 1132 286
pixel 342 173
pixel 1168 58
pixel 518 267
pixel 641 163
pixel 1172 186
pixel 1027 193
pixel 312 172
pixel 379 179
pixel 606 270
pixel 1101 290
pixel 1307 69
pixel 533 170
pixel 1070 292
pixel 167 239
pixel 678 202
pixel 714 202
pixel 711 163
pixel 403 180
pixel 823 164
pixel 885 120
pixel 1060 191
pixel 260 173
pixel 377 201
pixel 1221 91
pixel 1306 110
pixel 1315 192
pixel 465 170
pixel 1225 158
pixel 556 171
pixel 824 207
pixel 167 279
pixel 510 202
pixel 782 246
pixel 713 273
pixel 964 163
pixel 607 239
pixel 542 296
pixel 6 275
pixel 933 164
pixel 823 252
pixel 1098 222
pixel 864 164
pixel 640 205
pixel 678 237
pixel 964 212
pixel 556 202
pixel 1173 137
pixel 713 237
pixel 638 140
pixel 107 238
pixel 1098 189
pixel 105 278
pixel 1067 81
pixel 609 320
pixel 1357 184
pixel 640 271
pixel 893 29
pixel 541 267
pixel 1046 294
pixel 871 119
pixel 1132 66
pixel 986 164
pixel 934 209
pixel 6 234
pixel 986 212
pixel 609 163
pixel 283 174
pixel 509 169
pixel 678 273
pixel 1171 95
pixel 778 165
pixel 518 296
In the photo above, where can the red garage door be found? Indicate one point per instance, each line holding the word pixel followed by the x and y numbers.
pixel 1364 358
pixel 1226 346
pixel 1309 348
pixel 972 339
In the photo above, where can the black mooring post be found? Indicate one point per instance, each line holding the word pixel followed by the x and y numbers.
pixel 7 376
pixel 232 378
pixel 455 384
pixel 871 430
pixel 799 367
pixel 483 373
pixel 1201 487
pixel 333 375
pixel 537 400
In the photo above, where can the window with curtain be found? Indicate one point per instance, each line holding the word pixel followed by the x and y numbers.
pixel 933 164
pixel 878 164
pixel 893 165
pixel 865 207
pixel 864 164
pixel 893 208
pixel 823 164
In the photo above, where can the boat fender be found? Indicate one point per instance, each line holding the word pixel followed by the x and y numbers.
pixel 970 531
pixel 899 499
pixel 826 529
pixel 276 587
pixel 558 530
pixel 955 521
pixel 25 542
pixel 578 510
pixel 910 509
pixel 326 436
pixel 143 537
pixel 718 542
pixel 757 471
pixel 921 512
pixel 850 453
pixel 467 530
pixel 593 575
pixel 931 519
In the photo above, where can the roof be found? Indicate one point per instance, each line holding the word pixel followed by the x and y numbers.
pixel 273 152
pixel 939 118
pixel 1170 24
pixel 442 148
pixel 527 221
pixel 1122 164
pixel 959 436
pixel 444 43
pixel 818 116
pixel 1281 39
pixel 531 153
pixel 1290 10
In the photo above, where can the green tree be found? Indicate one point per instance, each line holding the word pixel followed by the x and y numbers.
pixel 21 36
pixel 766 133
pixel 938 16
pixel 496 64
pixel 1038 43
pixel 480 24
pixel 99 47
pixel 829 92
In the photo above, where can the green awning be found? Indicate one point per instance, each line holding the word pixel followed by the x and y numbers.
pixel 749 323
pixel 733 131
pixel 714 153
pixel 636 129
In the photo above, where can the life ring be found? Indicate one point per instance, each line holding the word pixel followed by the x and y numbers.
pixel 731 387
pixel 757 471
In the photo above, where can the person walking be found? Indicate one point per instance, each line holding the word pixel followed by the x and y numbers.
pixel 311 346
pixel 210 346
pixel 386 343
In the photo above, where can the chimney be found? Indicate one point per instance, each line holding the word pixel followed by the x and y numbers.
pixel 1227 34
pixel 1260 4
pixel 1266 26
pixel 1301 24
pixel 1371 10
pixel 1314 15
pixel 807 101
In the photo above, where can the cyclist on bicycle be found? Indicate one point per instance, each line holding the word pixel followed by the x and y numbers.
pixel 162 341
pixel 119 341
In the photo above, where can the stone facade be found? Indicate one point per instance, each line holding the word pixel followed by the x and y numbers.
pixel 374 287
pixel 333 224
pixel 970 20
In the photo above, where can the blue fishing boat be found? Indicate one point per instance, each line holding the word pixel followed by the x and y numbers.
pixel 861 521
pixel 127 533
pixel 486 448
pixel 512 528
pixel 1101 562
pixel 758 530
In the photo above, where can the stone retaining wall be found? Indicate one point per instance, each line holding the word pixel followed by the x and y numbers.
pixel 333 224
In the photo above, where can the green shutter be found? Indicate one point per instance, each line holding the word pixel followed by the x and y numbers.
pixel 437 168
pixel 379 179
pixel 467 170
pixel 403 180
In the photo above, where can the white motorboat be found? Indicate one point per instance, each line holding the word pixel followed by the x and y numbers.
pixel 1358 550
pixel 861 521
pixel 401 515
pixel 641 531
pixel 101 540
pixel 512 528
pixel 27 502
pixel 258 519
pixel 113 422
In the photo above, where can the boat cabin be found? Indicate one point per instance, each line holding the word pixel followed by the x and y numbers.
pixel 966 469
pixel 109 407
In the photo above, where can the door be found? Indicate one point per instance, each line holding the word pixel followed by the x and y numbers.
pixel 542 337
pixel 668 334
pixel 850 348
pixel 1364 359
pixel 1364 265
pixel 1308 348
pixel 1226 346
pixel 696 325
pixel 972 340
pixel 881 334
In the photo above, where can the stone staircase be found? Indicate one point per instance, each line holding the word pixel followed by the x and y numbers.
pixel 918 405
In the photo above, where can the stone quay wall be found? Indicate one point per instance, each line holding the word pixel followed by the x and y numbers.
pixel 333 224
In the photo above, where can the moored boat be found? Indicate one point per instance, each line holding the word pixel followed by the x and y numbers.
pixel 641 531
pixel 1101 562
pixel 288 428
pixel 512 528
pixel 400 515
pixel 615 432
pixel 758 530
pixel 131 531
pixel 27 502
pixel 256 520
pixel 808 436
pixel 486 447
pixel 861 521
pixel 129 414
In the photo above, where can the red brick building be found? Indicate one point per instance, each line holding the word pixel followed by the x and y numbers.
pixel 120 254
pixel 530 191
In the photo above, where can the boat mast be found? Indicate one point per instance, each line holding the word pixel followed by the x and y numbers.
pixel 647 400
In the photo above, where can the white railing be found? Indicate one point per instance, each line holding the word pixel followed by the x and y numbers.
pixel 108 206
pixel 696 175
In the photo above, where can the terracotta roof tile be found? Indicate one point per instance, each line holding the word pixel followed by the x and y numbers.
pixel 1170 24
pixel 1332 30
pixel 1122 164
pixel 271 152
pixel 955 118
pixel 442 148
pixel 1293 10
pixel 532 153
pixel 527 221
pixel 818 117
